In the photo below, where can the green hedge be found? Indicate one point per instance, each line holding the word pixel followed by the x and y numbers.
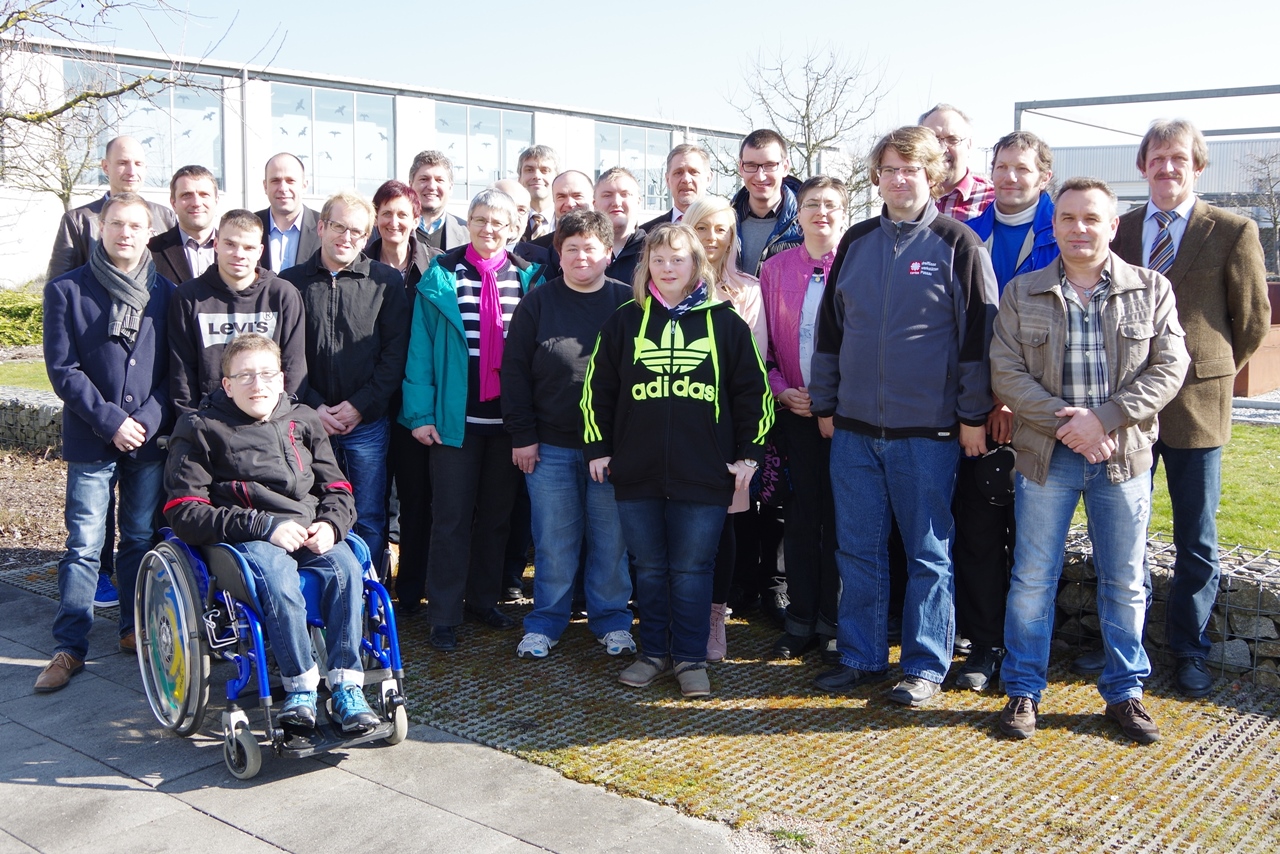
pixel 21 319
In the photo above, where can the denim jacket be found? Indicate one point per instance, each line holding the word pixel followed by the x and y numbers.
pixel 1146 360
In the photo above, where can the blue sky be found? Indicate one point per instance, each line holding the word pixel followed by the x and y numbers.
pixel 679 60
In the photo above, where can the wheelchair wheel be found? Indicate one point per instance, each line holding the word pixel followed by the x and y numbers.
pixel 399 726
pixel 242 753
pixel 171 650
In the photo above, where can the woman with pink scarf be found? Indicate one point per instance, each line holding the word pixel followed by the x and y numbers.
pixel 462 309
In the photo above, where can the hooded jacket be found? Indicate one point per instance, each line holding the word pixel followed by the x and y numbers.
pixel 357 333
pixel 673 402
pixel 786 231
pixel 231 478
pixel 205 314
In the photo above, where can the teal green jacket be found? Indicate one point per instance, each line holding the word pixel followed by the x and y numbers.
pixel 435 374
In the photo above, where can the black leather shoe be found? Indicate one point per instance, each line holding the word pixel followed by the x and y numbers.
pixel 491 617
pixel 792 646
pixel 444 638
pixel 1193 677
pixel 845 678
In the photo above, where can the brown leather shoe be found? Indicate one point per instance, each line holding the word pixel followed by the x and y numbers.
pixel 129 643
pixel 1134 720
pixel 58 673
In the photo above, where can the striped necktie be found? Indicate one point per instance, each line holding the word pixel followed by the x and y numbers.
pixel 1162 252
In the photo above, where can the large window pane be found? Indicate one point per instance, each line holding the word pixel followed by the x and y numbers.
pixel 334 130
pixel 291 114
pixel 375 141
pixel 451 138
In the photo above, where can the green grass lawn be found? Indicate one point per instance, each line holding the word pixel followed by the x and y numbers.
pixel 1249 514
pixel 25 375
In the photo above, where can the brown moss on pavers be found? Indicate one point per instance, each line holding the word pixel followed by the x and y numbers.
pixel 858 772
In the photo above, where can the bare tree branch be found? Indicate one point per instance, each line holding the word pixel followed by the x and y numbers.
pixel 1264 171
pixel 822 104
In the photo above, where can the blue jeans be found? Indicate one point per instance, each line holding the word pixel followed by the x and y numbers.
pixel 673 544
pixel 1118 515
pixel 362 456
pixel 1195 486
pixel 88 496
pixel 874 481
pixel 568 505
pixel 284 611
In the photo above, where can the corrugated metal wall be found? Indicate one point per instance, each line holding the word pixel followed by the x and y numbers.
pixel 1115 164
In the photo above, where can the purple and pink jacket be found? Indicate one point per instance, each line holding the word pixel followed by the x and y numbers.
pixel 784 280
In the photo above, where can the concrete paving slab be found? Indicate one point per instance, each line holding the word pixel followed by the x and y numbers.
pixel 55 798
pixel 29 617
pixel 678 834
pixel 12 845
pixel 506 793
pixel 112 723
pixel 312 789
pixel 190 831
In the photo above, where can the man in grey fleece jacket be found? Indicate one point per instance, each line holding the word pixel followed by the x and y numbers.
pixel 900 378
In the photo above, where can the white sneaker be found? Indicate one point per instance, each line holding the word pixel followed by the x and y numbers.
pixel 534 645
pixel 618 643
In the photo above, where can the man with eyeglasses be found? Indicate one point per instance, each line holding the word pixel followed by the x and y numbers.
pixel 288 226
pixel 900 380
pixel 617 196
pixel 766 204
pixel 104 349
pixel 431 177
pixel 124 164
pixel 964 194
pixel 232 297
pixel 357 337
pixel 255 469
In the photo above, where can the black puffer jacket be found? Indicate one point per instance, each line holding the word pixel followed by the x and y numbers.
pixel 231 478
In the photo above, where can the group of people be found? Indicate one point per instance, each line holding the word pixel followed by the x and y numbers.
pixel 550 370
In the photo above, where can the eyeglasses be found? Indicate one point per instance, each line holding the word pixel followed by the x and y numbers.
pixel 952 141
pixel 132 227
pixel 481 222
pixel 904 171
pixel 752 168
pixel 246 378
pixel 342 230
pixel 825 206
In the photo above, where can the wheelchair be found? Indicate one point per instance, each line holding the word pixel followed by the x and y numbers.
pixel 194 605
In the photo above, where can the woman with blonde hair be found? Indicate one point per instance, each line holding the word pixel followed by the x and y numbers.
pixel 713 219
pixel 676 409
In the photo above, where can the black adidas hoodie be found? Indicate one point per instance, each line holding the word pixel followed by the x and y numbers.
pixel 673 402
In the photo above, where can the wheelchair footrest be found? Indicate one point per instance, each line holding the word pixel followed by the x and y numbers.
pixel 300 743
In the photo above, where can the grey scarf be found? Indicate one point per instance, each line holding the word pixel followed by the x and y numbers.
pixel 129 292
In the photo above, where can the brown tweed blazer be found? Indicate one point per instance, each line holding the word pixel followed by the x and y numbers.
pixel 1220 283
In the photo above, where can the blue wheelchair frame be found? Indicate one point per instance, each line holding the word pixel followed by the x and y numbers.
pixel 178 582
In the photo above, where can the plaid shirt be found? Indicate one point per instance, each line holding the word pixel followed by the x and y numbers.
pixel 968 199
pixel 1085 381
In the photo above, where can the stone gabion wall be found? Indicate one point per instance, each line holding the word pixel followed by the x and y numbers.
pixel 30 419
pixel 1244 626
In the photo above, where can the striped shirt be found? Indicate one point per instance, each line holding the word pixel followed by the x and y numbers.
pixel 1085 380
pixel 483 417
pixel 968 199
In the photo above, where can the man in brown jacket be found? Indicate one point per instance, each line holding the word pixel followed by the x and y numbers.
pixel 1214 261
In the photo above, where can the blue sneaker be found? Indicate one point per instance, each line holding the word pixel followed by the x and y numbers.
pixel 299 709
pixel 352 709
pixel 106 595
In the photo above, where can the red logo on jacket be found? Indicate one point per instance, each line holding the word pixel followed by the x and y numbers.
pixel 914 269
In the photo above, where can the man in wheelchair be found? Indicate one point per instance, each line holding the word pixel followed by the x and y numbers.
pixel 254 469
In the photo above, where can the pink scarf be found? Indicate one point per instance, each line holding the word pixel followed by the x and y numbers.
pixel 491 333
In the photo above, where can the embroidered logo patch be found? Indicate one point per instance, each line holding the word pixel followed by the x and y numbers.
pixel 927 268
